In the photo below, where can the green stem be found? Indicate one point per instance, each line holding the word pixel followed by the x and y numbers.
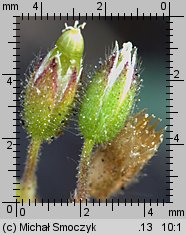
pixel 82 190
pixel 29 182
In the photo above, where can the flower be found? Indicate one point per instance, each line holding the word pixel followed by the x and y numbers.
pixel 116 165
pixel 52 86
pixel 110 96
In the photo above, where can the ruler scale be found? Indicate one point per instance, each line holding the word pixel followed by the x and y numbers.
pixel 129 212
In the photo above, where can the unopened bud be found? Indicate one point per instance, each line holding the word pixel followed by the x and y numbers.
pixel 110 96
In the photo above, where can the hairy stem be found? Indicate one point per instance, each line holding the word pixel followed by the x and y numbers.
pixel 82 189
pixel 29 182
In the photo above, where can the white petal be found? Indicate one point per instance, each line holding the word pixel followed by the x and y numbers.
pixel 129 74
pixel 42 67
pixel 112 75
pixel 126 59
pixel 126 52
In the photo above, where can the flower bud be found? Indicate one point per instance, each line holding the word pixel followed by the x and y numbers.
pixel 116 165
pixel 110 96
pixel 52 86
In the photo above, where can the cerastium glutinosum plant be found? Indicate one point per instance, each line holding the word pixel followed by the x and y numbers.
pixel 49 97
pixel 123 143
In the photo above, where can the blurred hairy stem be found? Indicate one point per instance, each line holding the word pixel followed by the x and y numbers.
pixel 82 189
pixel 29 177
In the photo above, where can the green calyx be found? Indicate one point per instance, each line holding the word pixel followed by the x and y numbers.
pixel 50 93
pixel 101 117
pixel 109 99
